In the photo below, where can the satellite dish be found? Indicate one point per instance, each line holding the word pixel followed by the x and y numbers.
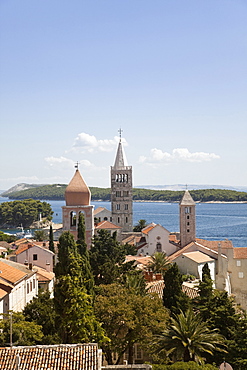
pixel 225 366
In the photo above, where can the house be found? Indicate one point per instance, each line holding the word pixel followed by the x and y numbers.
pixel 45 279
pixel 51 357
pixel 157 239
pixel 18 286
pixel 192 258
pixel 32 253
pixel 102 214
pixel 110 227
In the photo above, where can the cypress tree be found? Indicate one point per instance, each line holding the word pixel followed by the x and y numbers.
pixel 173 297
pixel 51 241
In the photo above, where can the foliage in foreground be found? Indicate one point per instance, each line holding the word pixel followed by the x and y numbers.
pixel 188 338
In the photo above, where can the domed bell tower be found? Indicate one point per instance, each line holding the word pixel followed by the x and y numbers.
pixel 77 198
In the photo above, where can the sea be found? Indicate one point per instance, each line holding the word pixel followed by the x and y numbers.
pixel 214 221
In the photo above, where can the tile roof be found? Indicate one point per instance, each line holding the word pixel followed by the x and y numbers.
pixel 106 225
pixel 141 262
pixel 52 357
pixel 100 209
pixel 240 252
pixel 43 275
pixel 213 244
pixel 24 247
pixel 198 257
pixel 158 286
pixel 147 229
pixel 11 274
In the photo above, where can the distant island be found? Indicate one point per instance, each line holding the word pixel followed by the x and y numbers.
pixel 56 192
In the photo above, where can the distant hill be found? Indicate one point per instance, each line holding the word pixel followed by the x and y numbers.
pixel 56 192
pixel 18 187
pixel 179 187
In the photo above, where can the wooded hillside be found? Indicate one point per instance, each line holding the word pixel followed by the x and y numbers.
pixel 56 192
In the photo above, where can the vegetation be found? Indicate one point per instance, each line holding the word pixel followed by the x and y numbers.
pixel 184 366
pixel 23 332
pixel 128 318
pixel 187 338
pixel 7 238
pixel 159 263
pixel 23 212
pixel 56 192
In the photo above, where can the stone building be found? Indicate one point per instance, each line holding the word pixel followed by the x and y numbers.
pixel 121 191
pixel 78 198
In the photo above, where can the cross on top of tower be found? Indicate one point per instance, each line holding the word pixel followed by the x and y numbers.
pixel 77 165
pixel 120 133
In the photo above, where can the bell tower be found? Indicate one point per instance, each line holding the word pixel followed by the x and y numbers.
pixel 77 198
pixel 121 190
pixel 187 209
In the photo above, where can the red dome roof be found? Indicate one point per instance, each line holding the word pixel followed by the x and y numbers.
pixel 77 192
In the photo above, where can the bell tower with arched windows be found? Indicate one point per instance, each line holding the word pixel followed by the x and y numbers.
pixel 121 191
pixel 77 198
pixel 187 209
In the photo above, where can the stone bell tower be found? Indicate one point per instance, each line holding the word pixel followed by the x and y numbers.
pixel 121 191
pixel 77 198
pixel 187 209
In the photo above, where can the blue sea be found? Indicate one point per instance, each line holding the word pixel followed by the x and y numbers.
pixel 214 221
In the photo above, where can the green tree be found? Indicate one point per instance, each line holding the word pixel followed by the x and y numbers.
pixel 41 311
pixel 39 235
pixel 173 296
pixel 24 333
pixel 140 225
pixel 107 258
pixel 66 248
pixel 88 277
pixel 51 240
pixel 75 319
pixel 128 318
pixel 159 263
pixel 187 338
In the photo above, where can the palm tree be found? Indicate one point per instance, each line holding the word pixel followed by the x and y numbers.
pixel 140 225
pixel 187 337
pixel 159 263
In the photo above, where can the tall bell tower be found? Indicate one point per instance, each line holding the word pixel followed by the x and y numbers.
pixel 121 190
pixel 187 217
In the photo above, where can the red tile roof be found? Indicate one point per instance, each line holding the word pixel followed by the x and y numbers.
pixel 11 274
pixel 213 244
pixel 240 252
pixel 147 229
pixel 53 357
pixel 106 225
pixel 158 286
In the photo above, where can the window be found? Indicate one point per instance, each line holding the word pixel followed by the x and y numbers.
pixel 118 193
pixel 35 257
pixel 240 275
pixel 158 247
pixel 187 209
pixel 27 288
pixel 188 217
pixel 105 218
pixel 126 220
pixel 238 263
pixel 188 230
pixel 110 219
pixel 126 207
pixel 125 193
pixel 188 223
pixel 31 286
pixel 33 283
pixel 118 207
pixel 118 220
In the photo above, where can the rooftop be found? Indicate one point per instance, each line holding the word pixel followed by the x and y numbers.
pixel 52 357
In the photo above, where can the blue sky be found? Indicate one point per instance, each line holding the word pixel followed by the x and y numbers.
pixel 172 74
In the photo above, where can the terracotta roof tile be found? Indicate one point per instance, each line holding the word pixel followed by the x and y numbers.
pixel 158 286
pixel 11 274
pixel 147 229
pixel 43 275
pixel 198 257
pixel 240 252
pixel 213 244
pixel 53 357
pixel 106 225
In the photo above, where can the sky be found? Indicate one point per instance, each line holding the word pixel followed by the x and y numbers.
pixel 172 74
